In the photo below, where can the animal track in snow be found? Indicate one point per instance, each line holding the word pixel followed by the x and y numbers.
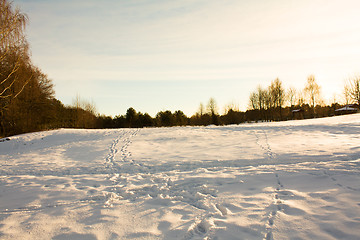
pixel 337 183
pixel 124 138
pixel 277 202
pixel 263 143
pixel 163 189
pixel 276 206
pixel 223 210
pixel 203 227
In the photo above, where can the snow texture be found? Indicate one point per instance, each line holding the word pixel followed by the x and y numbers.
pixel 284 180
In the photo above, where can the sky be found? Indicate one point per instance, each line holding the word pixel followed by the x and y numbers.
pixel 173 55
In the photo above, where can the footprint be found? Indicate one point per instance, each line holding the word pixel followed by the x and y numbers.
pixel 92 191
pixel 164 226
pixel 271 221
pixel 222 209
pixel 351 188
pixel 269 236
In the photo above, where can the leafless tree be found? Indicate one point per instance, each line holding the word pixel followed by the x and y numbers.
pixel 346 94
pixel 259 100
pixel 201 110
pixel 291 96
pixel 352 90
pixel 277 95
pixel 262 98
pixel 268 99
pixel 212 108
pixel 312 89
pixel 13 52
pixel 254 101
pixel 85 113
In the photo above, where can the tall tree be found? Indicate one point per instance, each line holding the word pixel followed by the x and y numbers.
pixel 212 107
pixel 259 100
pixel 254 101
pixel 291 93
pixel 13 56
pixel 277 94
pixel 180 118
pixel 352 90
pixel 312 89
pixel 13 51
pixel 201 110
pixel 131 117
pixel 165 119
pixel 145 120
pixel 263 101
pixel 213 111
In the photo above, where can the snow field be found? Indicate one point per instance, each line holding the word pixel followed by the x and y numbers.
pixel 285 180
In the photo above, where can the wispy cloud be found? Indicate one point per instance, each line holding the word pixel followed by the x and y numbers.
pixel 184 40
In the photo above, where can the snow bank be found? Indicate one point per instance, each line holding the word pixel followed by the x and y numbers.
pixel 283 180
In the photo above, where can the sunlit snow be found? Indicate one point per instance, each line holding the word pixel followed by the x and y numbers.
pixel 284 180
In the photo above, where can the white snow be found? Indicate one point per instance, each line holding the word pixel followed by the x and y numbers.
pixel 284 180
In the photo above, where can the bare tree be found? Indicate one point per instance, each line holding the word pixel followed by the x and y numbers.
pixel 262 97
pixel 201 110
pixel 85 113
pixel 254 101
pixel 213 111
pixel 259 100
pixel 277 95
pixel 212 107
pixel 312 89
pixel 291 93
pixel 13 51
pixel 268 99
pixel 352 90
pixel 346 94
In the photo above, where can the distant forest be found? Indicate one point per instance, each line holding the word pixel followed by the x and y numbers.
pixel 28 103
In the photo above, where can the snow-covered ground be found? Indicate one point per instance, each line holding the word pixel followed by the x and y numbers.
pixel 285 180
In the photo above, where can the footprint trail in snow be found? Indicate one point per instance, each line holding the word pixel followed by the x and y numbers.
pixel 291 180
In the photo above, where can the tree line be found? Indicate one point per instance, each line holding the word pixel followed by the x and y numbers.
pixel 27 97
pixel 205 116
pixel 28 103
pixel 275 103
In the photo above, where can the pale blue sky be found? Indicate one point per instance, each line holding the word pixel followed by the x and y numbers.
pixel 159 55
